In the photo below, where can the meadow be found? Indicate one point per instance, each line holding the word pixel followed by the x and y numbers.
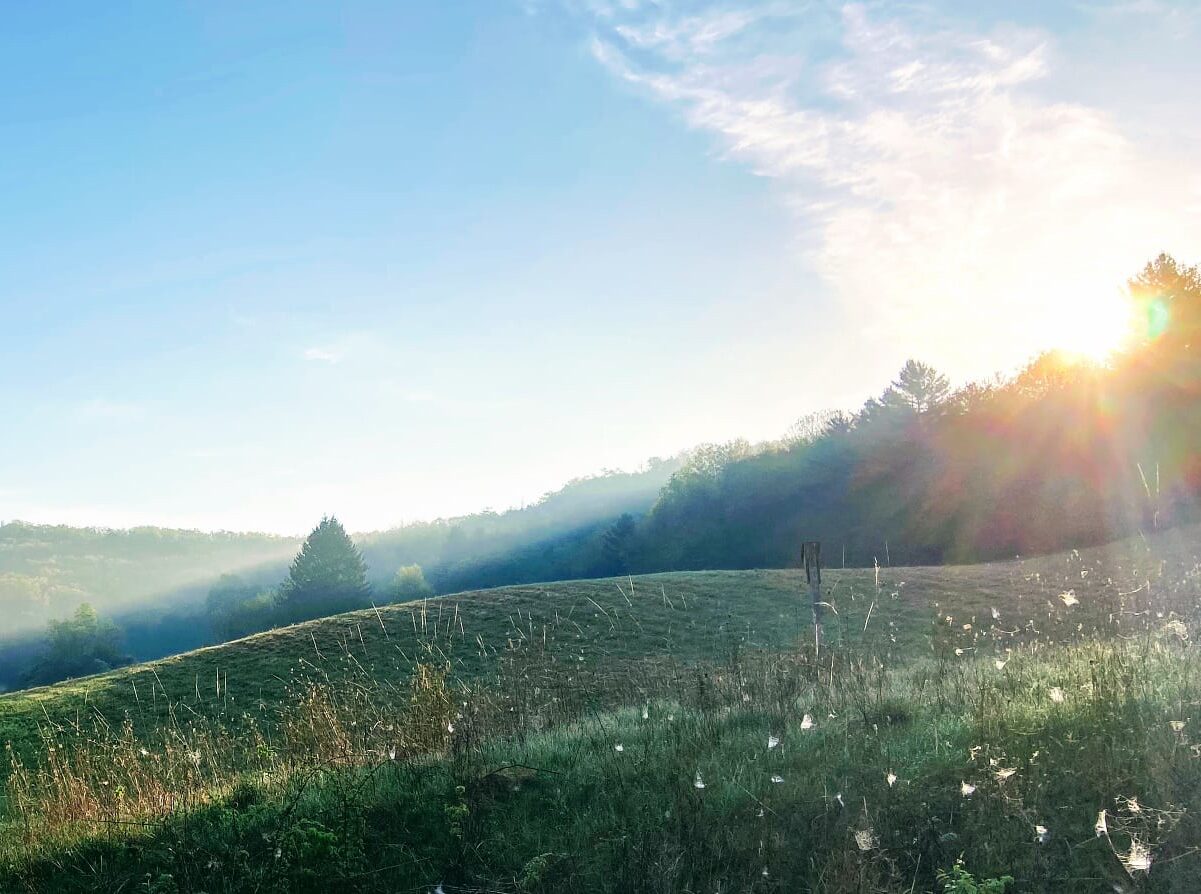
pixel 953 726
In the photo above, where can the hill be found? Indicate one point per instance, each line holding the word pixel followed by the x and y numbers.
pixel 604 627
pixel 1029 718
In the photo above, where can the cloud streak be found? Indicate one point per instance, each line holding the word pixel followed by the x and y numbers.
pixel 322 355
pixel 938 183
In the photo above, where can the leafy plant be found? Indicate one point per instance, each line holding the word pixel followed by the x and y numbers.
pixel 957 880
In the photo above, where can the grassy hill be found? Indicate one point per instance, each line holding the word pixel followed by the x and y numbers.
pixel 600 627
pixel 665 732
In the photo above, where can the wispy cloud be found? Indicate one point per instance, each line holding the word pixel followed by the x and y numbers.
pixel 323 355
pixel 938 182
pixel 350 345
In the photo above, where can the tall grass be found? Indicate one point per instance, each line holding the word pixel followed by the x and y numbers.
pixel 1055 744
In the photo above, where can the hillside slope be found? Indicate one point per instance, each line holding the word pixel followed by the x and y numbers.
pixel 603 627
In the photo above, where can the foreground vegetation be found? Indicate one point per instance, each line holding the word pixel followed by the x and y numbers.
pixel 599 627
pixel 682 732
pixel 762 775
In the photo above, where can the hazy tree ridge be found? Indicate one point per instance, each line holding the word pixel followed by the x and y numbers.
pixel 171 590
pixel 47 571
pixel 1064 453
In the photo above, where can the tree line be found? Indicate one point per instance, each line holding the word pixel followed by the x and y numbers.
pixel 1062 453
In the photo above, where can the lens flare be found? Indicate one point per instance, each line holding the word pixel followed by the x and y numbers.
pixel 1088 327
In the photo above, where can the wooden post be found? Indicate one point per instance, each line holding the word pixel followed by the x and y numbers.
pixel 811 557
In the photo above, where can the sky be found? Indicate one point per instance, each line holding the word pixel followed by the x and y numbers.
pixel 397 261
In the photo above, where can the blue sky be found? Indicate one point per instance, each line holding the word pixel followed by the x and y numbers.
pixel 398 261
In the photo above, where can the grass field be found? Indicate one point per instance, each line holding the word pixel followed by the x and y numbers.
pixel 1075 671
pixel 599 626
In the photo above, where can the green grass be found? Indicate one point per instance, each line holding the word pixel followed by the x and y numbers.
pixel 564 810
pixel 915 676
pixel 682 617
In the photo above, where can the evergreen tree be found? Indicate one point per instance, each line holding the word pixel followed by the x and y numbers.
pixel 918 389
pixel 327 576
pixel 616 544
pixel 1167 297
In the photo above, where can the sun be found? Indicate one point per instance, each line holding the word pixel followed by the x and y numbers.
pixel 1084 327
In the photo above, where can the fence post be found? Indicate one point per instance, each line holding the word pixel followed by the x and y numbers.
pixel 811 557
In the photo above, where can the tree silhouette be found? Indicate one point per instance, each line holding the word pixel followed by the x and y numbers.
pixel 616 544
pixel 410 583
pixel 82 644
pixel 1167 296
pixel 327 576
pixel 918 388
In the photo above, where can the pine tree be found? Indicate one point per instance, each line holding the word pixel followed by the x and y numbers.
pixel 327 576
pixel 917 389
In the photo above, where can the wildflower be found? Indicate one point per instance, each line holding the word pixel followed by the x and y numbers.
pixel 892 779
pixel 996 615
pixel 1056 695
pixel 1003 773
pixel 772 742
pixel 619 748
pixel 1042 834
pixel 838 798
pixel 143 752
pixel 646 712
pixel 777 778
pixel 967 789
pixel 698 782
pixel 1000 663
pixel 450 727
pixel 392 753
pixel 807 722
pixel 865 839
pixel 1069 598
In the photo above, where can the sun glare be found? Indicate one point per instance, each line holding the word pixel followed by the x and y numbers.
pixel 1087 328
